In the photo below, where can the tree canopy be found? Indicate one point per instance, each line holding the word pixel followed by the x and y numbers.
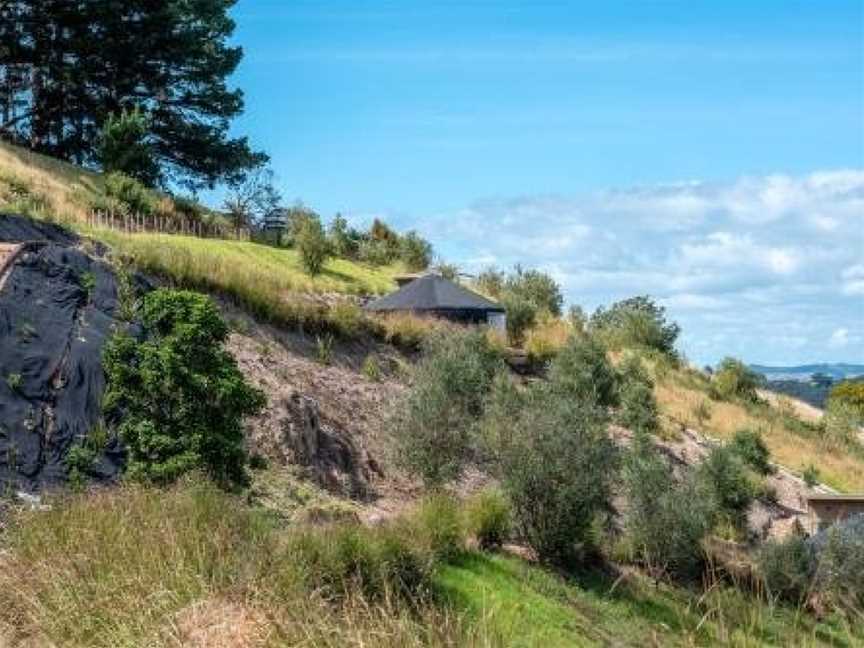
pixel 67 65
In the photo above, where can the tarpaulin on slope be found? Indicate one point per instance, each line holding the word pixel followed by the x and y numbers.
pixel 57 309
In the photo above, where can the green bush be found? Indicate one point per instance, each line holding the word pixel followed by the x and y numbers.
pixel 665 520
pixel 557 466
pixel 733 379
pixel 839 566
pixel 489 518
pixel 811 476
pixel 750 447
pixel 313 246
pixel 537 288
pixel 726 476
pixel 841 423
pixel 434 421
pixel 439 527
pixel 582 371
pixel 415 252
pixel 635 322
pixel 130 195
pixel 638 407
pixel 178 398
pixel 786 567
pixel 521 315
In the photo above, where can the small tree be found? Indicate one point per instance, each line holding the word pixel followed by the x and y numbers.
pixel 734 379
pixel 638 407
pixel 124 147
pixel 312 244
pixel 751 448
pixel 178 398
pixel 521 315
pixel 415 252
pixel 557 466
pixel 435 421
pixel 724 474
pixel 635 322
pixel 343 240
pixel 537 288
pixel 253 198
pixel 665 520
pixel 582 371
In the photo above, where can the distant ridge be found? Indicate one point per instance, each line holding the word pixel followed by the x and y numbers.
pixel 837 370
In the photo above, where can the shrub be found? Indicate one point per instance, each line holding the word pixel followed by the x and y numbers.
pixel 488 514
pixel 434 421
pixel 635 322
pixel 839 566
pixel 850 392
pixel 312 245
pixel 343 240
pixel 557 466
pixel 348 319
pixel 638 407
pixel 665 521
pixel 546 338
pixel 490 282
pixel 439 527
pixel 786 567
pixel 750 447
pixel 178 398
pixel 841 422
pixel 581 370
pixel 376 253
pixel 734 379
pixel 811 476
pixel 726 476
pixel 371 369
pixel 123 147
pixel 537 288
pixel 130 195
pixel 521 315
pixel 415 252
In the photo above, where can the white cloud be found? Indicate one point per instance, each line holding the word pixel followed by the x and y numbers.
pixel 839 338
pixel 766 267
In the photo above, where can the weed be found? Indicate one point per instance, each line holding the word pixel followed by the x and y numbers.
pixel 324 348
pixel 371 369
pixel 811 476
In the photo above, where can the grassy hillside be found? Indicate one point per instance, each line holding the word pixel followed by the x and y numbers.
pixel 269 282
pixel 193 566
pixel 683 398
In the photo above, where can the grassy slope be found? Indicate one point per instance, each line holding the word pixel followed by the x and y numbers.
pixel 793 443
pixel 133 566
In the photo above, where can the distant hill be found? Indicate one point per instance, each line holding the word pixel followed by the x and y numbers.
pixel 837 371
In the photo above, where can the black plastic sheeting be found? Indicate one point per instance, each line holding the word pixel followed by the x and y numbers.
pixel 57 309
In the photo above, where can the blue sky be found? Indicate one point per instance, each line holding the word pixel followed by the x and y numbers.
pixel 708 153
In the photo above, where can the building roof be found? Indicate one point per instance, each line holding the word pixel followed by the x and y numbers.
pixel 433 292
pixel 835 497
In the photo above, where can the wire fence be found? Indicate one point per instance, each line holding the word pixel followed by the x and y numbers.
pixel 155 224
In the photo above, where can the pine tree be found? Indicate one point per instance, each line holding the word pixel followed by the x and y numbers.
pixel 77 62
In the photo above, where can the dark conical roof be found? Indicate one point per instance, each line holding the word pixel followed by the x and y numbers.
pixel 433 293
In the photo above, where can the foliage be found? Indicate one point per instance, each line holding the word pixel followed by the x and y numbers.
pixel 750 447
pixel 371 368
pixel 557 466
pixel 175 58
pixel 324 349
pixel 521 315
pixel 178 398
pixel 537 288
pixel 252 198
pixel 491 282
pixel 811 476
pixel 344 241
pixel 434 420
pixel 376 253
pixel 582 371
pixel 786 567
pixel 124 147
pixel 546 338
pixel 665 520
pixel 638 407
pixel 850 393
pixel 447 270
pixel 635 322
pixel 131 195
pixel 489 518
pixel 415 252
pixel 726 476
pixel 841 422
pixel 839 570
pixel 312 244
pixel 438 521
pixel 734 379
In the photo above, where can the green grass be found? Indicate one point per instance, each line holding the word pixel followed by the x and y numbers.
pixel 134 566
pixel 523 605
